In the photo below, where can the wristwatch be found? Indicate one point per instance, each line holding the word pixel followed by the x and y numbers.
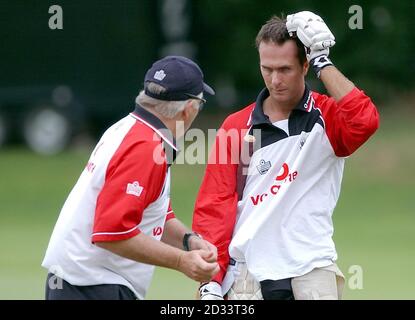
pixel 186 237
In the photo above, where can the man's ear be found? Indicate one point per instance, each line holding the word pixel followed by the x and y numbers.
pixel 187 111
pixel 306 66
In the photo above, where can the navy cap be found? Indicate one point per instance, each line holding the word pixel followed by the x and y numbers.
pixel 180 76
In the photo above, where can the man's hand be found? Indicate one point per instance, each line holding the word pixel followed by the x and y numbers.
pixel 314 35
pixel 198 265
pixel 210 291
pixel 196 243
pixel 312 32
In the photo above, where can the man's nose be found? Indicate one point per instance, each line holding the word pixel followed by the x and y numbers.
pixel 276 78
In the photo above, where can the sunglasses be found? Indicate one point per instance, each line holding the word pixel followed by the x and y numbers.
pixel 201 100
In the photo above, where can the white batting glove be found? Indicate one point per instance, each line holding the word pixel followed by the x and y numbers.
pixel 210 291
pixel 314 35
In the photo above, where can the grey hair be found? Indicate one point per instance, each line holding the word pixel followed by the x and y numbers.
pixel 168 109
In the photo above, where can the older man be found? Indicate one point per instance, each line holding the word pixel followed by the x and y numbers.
pixel 107 238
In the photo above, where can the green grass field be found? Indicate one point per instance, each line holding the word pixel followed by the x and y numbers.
pixel 374 219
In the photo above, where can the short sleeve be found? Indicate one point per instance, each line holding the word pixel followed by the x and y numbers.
pixel 170 213
pixel 133 180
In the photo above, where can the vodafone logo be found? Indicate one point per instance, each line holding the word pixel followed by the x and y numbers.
pixel 284 172
pixel 284 176
pixel 157 231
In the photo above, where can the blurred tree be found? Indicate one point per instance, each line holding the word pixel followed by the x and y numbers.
pixel 106 46
pixel 101 53
pixel 377 57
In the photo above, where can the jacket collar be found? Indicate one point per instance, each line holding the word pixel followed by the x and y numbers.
pixel 154 123
pixel 259 117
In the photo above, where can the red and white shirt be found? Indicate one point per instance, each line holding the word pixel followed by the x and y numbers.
pixel 123 190
pixel 273 208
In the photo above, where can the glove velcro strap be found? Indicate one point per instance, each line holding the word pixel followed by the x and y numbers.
pixel 319 63
pixel 212 290
pixel 205 291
